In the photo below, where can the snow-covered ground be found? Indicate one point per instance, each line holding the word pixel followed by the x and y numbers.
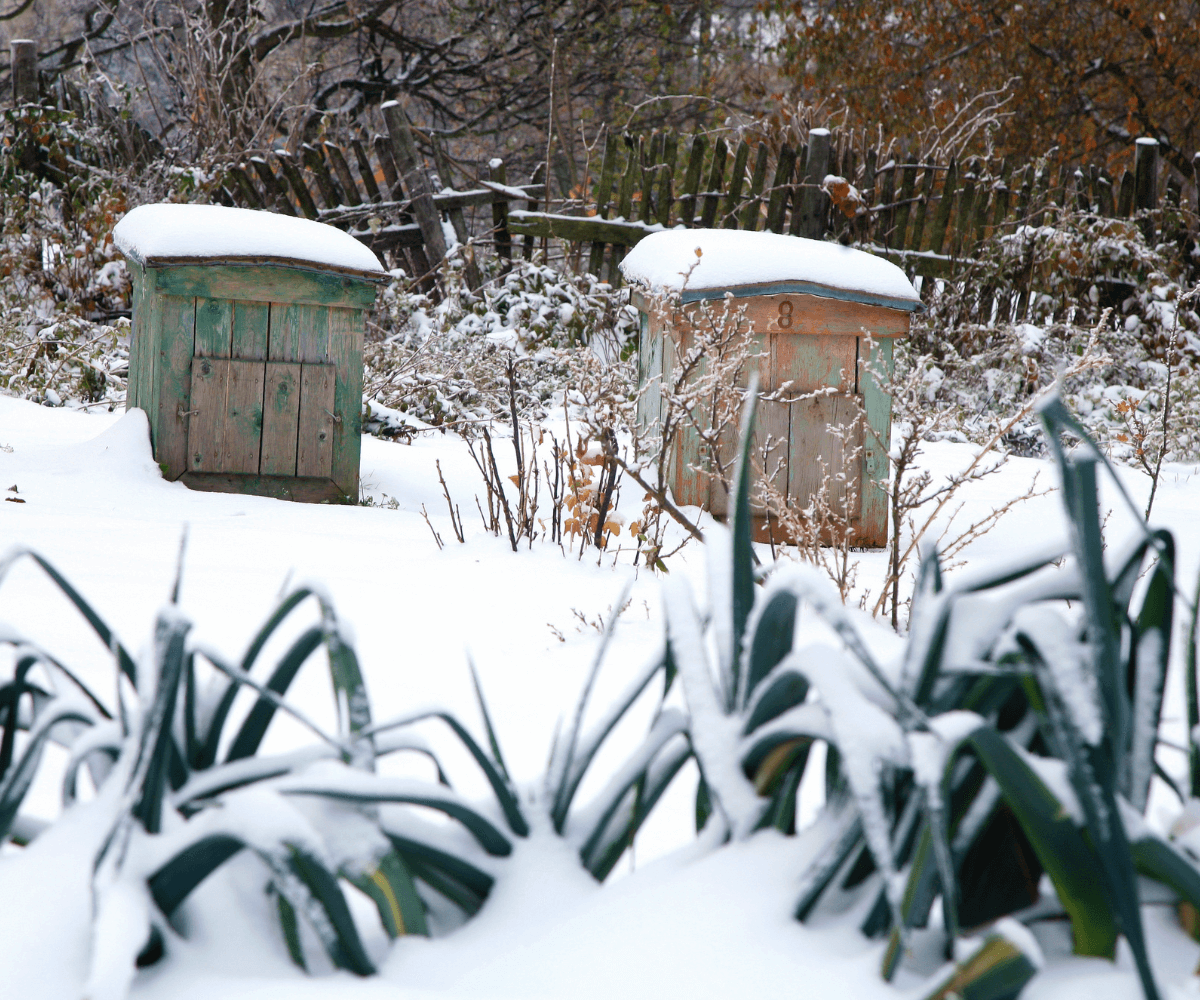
pixel 688 920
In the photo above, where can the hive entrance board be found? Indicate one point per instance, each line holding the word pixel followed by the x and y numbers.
pixel 257 417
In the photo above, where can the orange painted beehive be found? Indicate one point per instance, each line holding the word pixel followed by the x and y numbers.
pixel 820 320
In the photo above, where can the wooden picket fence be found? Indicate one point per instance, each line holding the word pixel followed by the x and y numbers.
pixel 929 216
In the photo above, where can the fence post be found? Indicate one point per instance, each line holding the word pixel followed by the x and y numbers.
pixel 404 151
pixel 24 71
pixel 815 168
pixel 502 238
pixel 1145 181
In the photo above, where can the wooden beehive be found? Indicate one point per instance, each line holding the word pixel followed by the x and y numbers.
pixel 821 320
pixel 246 349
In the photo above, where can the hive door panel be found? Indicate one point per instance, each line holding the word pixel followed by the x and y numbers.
pixel 314 449
pixel 281 419
pixel 827 435
pixel 225 425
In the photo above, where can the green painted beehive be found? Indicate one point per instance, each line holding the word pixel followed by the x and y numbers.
pixel 246 348
pixel 821 320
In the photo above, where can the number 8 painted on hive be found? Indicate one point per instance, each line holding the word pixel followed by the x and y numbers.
pixel 785 315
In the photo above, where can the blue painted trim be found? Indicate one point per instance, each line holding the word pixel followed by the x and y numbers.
pixel 801 288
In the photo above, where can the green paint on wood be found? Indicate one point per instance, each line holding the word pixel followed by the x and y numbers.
pixel 250 321
pixel 877 441
pixel 214 328
pixel 346 330
pixel 266 283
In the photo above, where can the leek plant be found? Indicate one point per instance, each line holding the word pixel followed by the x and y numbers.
pixel 1015 736
pixel 188 789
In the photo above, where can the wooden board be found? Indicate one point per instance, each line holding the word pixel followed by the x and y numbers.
pixel 302 490
pixel 298 333
pixel 346 331
pixel 805 364
pixel 798 313
pixel 265 283
pixel 225 426
pixel 243 417
pixel 250 323
pixel 214 328
pixel 873 529
pixel 315 437
pixel 172 382
pixel 281 419
pixel 820 455
pixel 206 423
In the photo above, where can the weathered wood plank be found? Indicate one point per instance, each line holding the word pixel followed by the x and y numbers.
pixel 365 171
pixel 243 417
pixel 1001 198
pixel 137 336
pixel 966 209
pixel 908 179
pixel 330 193
pixel 805 315
pixel 250 330
pixel 346 331
pixel 172 381
pixel 206 425
pixel 315 438
pixel 691 180
pixel 716 178
pixel 577 228
pixel 301 490
pixel 1125 195
pixel 391 177
pixel 1145 183
pixel 501 237
pixel 666 179
pixel 214 328
pixel 608 166
pixel 1106 203
pixel 750 212
pixel 281 419
pixel 649 178
pixel 539 175
pixel 942 219
pixel 777 203
pixel 872 528
pixel 795 194
pixel 299 333
pixel 733 197
pixel 342 169
pixel 917 237
pixel 275 188
pixel 265 283
pixel 886 227
pixel 245 186
pixel 416 183
pixel 826 431
pixel 979 214
pixel 304 198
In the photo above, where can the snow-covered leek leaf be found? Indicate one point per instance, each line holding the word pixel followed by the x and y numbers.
pixel 390 886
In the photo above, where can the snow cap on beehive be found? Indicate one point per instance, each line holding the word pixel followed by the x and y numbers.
pixel 212 234
pixel 706 263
